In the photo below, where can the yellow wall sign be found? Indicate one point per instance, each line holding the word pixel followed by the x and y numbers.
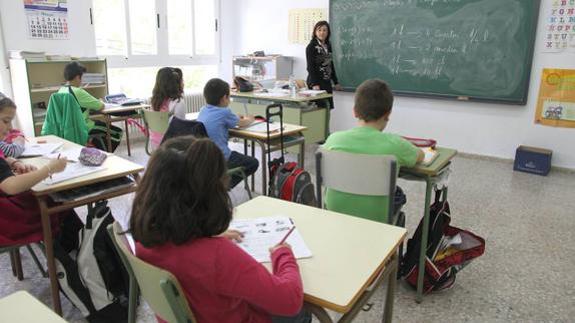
pixel 556 102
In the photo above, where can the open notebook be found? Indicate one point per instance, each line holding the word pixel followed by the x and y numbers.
pixel 261 126
pixel 430 156
pixel 262 233
pixel 73 170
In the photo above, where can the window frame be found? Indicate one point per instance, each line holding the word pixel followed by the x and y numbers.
pixel 163 57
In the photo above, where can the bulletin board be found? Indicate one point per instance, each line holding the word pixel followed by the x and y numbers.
pixel 556 102
pixel 301 23
pixel 47 19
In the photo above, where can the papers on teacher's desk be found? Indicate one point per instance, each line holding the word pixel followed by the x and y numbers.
pixel 35 149
pixel 262 233
pixel 73 170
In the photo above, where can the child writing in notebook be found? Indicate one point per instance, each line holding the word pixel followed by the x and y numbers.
pixel 218 119
pixel 179 219
pixel 19 211
pixel 372 108
pixel 168 96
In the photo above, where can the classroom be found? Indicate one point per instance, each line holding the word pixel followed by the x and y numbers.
pixel 486 89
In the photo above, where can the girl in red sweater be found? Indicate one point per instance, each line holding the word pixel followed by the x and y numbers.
pixel 179 219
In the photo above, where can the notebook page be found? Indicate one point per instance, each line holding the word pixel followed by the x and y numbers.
pixel 34 149
pixel 73 170
pixel 262 233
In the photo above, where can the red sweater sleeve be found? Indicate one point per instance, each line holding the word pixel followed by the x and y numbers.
pixel 241 276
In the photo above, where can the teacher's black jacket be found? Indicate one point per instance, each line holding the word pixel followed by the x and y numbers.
pixel 320 66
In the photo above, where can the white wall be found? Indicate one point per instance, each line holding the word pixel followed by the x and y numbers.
pixel 80 43
pixel 479 128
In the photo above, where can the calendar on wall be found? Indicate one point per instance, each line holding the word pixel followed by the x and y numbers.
pixel 47 19
pixel 301 23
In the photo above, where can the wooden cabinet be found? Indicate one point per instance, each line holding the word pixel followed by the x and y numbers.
pixel 34 81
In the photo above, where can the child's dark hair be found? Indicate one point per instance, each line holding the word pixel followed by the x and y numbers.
pixel 168 86
pixel 373 99
pixel 320 24
pixel 6 102
pixel 215 90
pixel 183 194
pixel 72 70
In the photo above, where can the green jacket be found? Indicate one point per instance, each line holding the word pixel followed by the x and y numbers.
pixel 65 119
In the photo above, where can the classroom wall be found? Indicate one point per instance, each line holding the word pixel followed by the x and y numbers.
pixel 478 128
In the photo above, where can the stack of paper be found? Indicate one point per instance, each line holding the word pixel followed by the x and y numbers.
pixel 72 171
pixel 28 55
pixel 311 92
pixel 34 150
pixel 262 233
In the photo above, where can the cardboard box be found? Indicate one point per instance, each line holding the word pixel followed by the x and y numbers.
pixel 533 160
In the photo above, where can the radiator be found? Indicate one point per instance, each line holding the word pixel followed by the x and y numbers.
pixel 194 101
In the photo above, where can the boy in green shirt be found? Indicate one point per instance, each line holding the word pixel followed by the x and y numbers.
pixel 73 74
pixel 372 106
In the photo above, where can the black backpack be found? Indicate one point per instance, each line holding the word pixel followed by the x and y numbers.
pixel 89 270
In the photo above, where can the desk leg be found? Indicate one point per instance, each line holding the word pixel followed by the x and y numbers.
pixel 127 129
pixel 108 132
pixel 253 146
pixel 301 156
pixel 319 312
pixel 390 294
pixel 49 245
pixel 424 237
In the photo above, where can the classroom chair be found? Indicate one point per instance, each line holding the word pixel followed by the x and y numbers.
pixel 157 121
pixel 372 175
pixel 179 127
pixel 159 288
pixel 16 262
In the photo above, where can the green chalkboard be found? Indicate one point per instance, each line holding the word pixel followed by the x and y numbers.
pixel 465 49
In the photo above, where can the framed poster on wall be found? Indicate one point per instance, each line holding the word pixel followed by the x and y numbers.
pixel 556 102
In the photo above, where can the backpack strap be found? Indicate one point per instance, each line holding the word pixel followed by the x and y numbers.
pixel 74 95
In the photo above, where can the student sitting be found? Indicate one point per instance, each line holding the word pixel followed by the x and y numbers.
pixel 218 118
pixel 19 210
pixel 73 74
pixel 372 106
pixel 13 144
pixel 167 96
pixel 179 219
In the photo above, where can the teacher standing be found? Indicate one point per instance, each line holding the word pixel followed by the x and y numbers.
pixel 321 72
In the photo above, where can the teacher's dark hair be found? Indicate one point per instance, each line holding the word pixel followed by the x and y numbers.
pixel 183 194
pixel 373 99
pixel 320 24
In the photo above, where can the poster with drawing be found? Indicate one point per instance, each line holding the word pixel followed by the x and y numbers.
pixel 556 102
pixel 560 26
pixel 47 19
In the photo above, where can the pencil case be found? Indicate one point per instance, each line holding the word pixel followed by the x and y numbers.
pixel 92 157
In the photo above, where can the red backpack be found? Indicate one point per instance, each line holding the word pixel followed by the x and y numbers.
pixel 287 181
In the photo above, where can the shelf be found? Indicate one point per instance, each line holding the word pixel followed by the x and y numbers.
pixel 56 88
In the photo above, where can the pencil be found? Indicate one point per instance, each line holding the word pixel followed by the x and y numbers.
pixel 287 235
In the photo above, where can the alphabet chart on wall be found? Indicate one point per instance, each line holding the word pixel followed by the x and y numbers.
pixel 47 19
pixel 560 27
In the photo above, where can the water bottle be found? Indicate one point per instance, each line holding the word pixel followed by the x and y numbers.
pixel 292 86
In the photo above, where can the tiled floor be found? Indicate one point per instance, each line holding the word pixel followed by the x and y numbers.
pixel 526 274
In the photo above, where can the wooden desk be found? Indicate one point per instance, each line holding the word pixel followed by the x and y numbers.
pixel 115 167
pixel 24 308
pixel 260 138
pixel 429 174
pixel 299 110
pixel 349 254
pixel 108 115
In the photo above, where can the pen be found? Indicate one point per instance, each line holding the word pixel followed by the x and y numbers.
pixel 287 235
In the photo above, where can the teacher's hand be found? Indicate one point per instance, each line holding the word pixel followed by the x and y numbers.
pixel 315 87
pixel 338 87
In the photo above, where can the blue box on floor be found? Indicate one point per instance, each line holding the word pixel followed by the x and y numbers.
pixel 533 160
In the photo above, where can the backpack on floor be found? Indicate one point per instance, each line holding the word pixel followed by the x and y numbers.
pixel 449 249
pixel 90 272
pixel 287 181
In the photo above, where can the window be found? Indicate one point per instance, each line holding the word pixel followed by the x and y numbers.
pixel 137 33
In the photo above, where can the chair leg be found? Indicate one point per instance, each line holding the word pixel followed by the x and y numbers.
pixel 247 187
pixel 17 263
pixel 35 258
pixel 133 300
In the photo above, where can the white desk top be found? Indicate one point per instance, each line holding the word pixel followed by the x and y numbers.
pixel 348 252
pixel 24 308
pixel 115 167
